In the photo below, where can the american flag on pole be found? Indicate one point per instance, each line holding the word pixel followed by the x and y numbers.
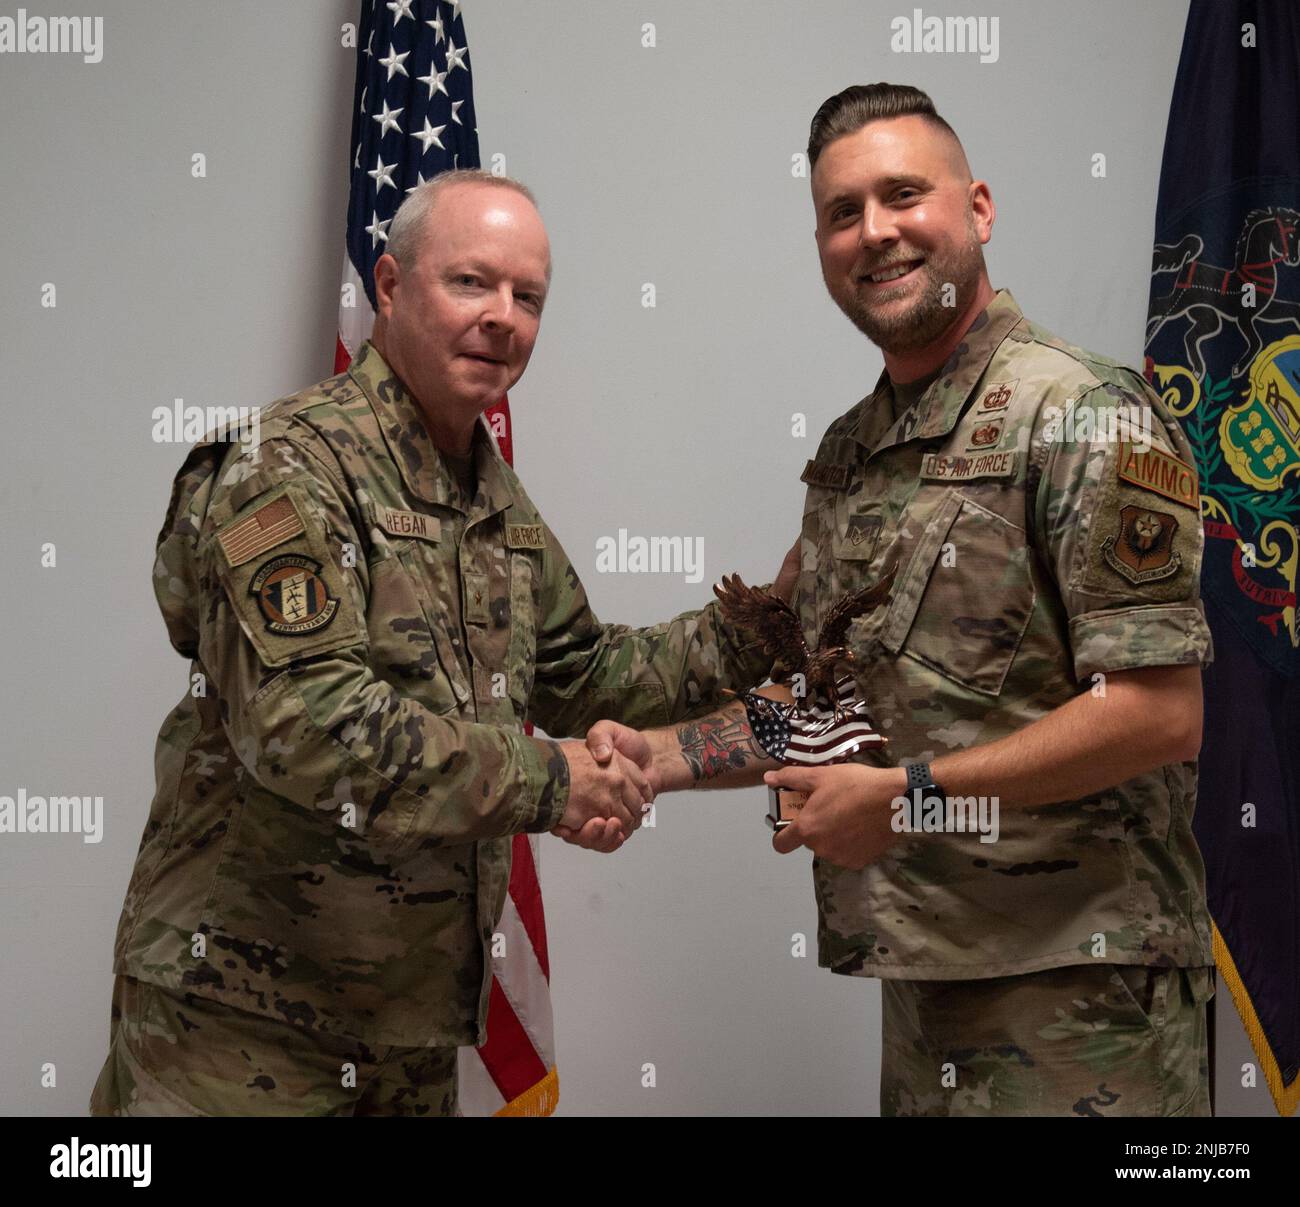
pixel 414 118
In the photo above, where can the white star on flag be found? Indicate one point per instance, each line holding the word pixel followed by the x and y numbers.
pixel 429 135
pixel 378 230
pixel 383 173
pixel 456 57
pixel 394 62
pixel 400 9
pixel 387 120
pixel 433 81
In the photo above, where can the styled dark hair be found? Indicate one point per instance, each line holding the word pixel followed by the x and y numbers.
pixel 848 111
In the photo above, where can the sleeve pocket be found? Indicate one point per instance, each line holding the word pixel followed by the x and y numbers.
pixel 289 596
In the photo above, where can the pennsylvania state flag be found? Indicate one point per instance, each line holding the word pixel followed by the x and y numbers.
pixel 1223 347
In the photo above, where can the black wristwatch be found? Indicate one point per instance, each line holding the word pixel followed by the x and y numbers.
pixel 920 776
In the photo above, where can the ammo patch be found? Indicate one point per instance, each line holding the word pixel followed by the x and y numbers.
pixel 408 523
pixel 1143 549
pixel 270 525
pixel 292 595
pixel 1154 469
pixel 525 536
pixel 952 468
pixel 823 473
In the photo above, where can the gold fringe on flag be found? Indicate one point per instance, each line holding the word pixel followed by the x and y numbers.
pixel 1285 1097
pixel 537 1101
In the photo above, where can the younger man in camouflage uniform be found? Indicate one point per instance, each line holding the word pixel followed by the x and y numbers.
pixel 372 607
pixel 1042 646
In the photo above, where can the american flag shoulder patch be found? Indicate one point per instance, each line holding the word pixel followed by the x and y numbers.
pixel 271 524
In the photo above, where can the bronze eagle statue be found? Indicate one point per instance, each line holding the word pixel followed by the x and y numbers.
pixel 776 625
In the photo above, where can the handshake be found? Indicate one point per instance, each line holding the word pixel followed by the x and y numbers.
pixel 612 784
pixel 616 773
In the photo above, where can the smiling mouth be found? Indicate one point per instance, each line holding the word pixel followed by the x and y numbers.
pixel 894 272
pixel 486 360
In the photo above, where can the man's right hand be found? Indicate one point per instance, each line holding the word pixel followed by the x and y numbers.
pixel 613 791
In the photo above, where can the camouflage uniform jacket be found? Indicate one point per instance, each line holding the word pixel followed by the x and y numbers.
pixel 1032 560
pixel 329 842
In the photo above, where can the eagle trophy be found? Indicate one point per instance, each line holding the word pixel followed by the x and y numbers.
pixel 777 627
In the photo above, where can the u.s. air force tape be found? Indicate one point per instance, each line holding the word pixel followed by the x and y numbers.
pixel 525 536
pixel 953 468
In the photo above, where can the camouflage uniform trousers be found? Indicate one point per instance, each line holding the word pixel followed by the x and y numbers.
pixel 1097 1040
pixel 175 1053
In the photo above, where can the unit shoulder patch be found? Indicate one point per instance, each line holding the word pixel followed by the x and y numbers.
pixel 1142 551
pixel 292 595
pixel 288 582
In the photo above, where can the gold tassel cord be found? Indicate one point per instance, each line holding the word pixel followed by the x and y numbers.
pixel 1285 1097
pixel 536 1102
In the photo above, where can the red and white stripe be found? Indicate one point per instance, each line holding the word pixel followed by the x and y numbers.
pixel 817 737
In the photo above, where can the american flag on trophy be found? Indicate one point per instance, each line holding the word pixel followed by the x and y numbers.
pixel 824 722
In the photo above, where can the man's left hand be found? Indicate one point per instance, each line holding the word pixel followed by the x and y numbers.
pixel 847 817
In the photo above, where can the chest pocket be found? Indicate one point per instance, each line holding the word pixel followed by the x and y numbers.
pixel 849 527
pixel 410 640
pixel 964 598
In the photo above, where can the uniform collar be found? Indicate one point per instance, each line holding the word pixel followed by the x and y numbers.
pixel 423 470
pixel 936 412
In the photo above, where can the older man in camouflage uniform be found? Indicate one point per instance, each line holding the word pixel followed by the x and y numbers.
pixel 372 607
pixel 1042 647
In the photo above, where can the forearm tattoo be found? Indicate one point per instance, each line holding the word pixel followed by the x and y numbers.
pixel 719 743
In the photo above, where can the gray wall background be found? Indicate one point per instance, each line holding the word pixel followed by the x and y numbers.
pixel 668 165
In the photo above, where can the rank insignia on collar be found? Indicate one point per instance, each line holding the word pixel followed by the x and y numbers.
pixel 1143 549
pixel 997 397
pixel 291 593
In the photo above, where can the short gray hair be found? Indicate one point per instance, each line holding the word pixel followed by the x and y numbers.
pixel 409 226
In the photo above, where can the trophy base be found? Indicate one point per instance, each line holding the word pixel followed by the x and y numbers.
pixel 783 805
